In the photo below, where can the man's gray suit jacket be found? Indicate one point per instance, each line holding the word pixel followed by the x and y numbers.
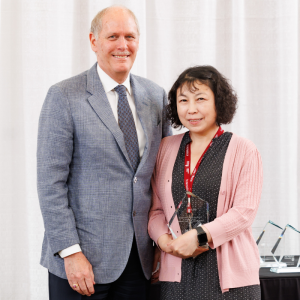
pixel 88 191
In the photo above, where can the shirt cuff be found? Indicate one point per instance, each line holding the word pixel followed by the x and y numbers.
pixel 69 251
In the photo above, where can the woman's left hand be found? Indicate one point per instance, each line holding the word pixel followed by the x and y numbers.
pixel 186 245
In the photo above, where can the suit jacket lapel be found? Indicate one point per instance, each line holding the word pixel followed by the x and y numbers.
pixel 99 102
pixel 143 108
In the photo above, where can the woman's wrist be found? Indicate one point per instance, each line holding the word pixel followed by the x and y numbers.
pixel 209 239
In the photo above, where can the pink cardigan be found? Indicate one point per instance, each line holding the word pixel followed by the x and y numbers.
pixel 240 190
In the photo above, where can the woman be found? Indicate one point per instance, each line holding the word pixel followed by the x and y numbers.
pixel 223 169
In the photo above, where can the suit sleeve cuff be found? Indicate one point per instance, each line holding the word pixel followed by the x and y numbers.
pixel 69 251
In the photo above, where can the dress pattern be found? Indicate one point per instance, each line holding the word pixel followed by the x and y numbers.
pixel 200 279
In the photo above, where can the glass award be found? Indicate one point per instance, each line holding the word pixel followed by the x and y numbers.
pixel 266 240
pixel 188 219
pixel 286 250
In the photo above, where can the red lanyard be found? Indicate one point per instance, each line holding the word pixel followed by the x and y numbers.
pixel 189 179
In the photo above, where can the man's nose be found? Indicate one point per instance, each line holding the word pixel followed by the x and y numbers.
pixel 122 43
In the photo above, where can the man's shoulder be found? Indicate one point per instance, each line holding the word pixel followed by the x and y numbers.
pixel 73 83
pixel 147 83
pixel 73 88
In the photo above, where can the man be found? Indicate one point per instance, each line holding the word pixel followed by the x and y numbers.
pixel 99 133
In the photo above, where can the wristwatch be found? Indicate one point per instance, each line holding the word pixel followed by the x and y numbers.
pixel 202 237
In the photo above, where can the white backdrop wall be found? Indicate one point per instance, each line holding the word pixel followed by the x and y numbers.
pixel 255 43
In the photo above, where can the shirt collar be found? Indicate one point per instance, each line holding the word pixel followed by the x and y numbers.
pixel 109 84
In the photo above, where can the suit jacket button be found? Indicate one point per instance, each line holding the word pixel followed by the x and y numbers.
pixel 135 179
pixel 134 213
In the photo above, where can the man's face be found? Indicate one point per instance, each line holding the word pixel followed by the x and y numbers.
pixel 117 44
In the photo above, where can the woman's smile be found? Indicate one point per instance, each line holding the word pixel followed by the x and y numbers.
pixel 195 121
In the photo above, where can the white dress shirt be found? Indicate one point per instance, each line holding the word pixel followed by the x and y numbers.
pixel 109 84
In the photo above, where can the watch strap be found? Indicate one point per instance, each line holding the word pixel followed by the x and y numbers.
pixel 202 237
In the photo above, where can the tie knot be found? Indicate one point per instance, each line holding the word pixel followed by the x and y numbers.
pixel 120 89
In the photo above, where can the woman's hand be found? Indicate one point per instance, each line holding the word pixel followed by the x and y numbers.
pixel 185 246
pixel 200 250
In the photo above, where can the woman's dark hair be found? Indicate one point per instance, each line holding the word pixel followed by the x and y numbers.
pixel 225 96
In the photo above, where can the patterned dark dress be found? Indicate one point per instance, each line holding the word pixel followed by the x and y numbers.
pixel 200 279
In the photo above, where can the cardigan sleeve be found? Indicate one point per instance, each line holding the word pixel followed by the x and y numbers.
pixel 244 194
pixel 157 225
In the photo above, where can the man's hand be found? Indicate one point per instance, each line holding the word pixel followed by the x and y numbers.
pixel 185 246
pixel 156 267
pixel 80 274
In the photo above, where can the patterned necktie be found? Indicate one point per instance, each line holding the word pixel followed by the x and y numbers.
pixel 127 126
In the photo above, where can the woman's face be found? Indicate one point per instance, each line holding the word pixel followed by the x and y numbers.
pixel 196 109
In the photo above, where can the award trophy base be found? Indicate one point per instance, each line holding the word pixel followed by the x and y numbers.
pixel 286 270
pixel 270 262
pixel 272 265
pixel 292 264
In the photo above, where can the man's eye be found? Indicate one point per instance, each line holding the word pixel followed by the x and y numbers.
pixel 112 37
pixel 200 98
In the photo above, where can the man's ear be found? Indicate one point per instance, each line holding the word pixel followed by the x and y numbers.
pixel 93 42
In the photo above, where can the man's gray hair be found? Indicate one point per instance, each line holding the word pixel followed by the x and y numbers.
pixel 96 25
